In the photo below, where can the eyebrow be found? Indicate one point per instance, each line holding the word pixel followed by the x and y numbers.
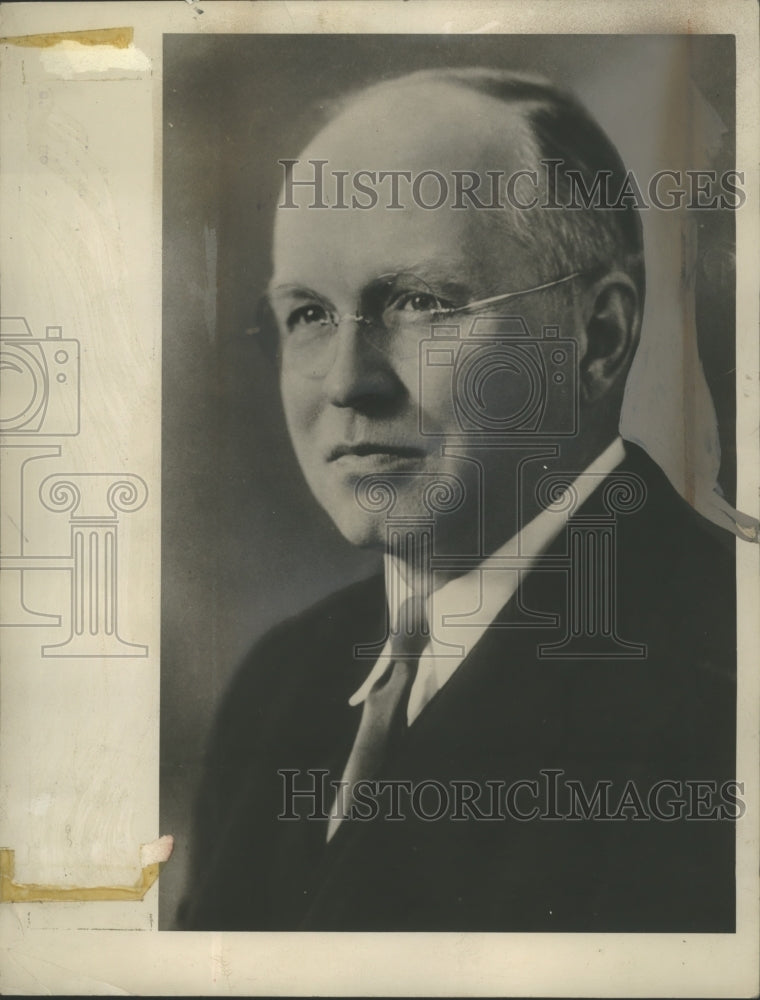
pixel 431 271
pixel 297 291
pixel 439 276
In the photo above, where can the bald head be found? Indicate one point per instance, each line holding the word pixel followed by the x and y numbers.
pixel 426 123
pixel 410 144
pixel 480 136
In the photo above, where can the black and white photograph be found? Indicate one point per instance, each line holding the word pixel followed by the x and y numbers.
pixel 484 562
pixel 379 563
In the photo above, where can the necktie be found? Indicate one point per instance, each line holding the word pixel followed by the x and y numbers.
pixel 384 713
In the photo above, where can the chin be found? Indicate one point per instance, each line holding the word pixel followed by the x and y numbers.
pixel 364 520
pixel 365 531
pixel 371 530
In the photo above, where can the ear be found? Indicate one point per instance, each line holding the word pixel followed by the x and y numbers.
pixel 611 317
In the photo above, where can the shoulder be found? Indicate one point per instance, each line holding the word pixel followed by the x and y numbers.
pixel 677 574
pixel 667 584
pixel 324 622
pixel 309 650
pixel 665 529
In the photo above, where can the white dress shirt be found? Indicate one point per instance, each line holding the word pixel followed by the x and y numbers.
pixel 460 611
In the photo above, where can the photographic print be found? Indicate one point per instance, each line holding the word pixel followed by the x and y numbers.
pixel 380 478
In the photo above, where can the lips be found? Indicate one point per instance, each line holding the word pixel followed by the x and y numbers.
pixel 372 449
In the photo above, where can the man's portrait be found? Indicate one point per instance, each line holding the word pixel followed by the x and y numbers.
pixel 449 569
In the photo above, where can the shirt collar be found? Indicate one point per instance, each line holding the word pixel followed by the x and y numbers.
pixel 480 593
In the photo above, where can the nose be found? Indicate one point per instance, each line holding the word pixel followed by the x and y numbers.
pixel 360 376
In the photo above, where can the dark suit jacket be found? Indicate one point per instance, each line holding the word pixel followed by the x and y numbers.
pixel 505 715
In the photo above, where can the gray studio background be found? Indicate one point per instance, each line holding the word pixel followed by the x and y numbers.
pixel 243 543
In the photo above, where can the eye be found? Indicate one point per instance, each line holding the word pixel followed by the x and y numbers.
pixel 418 302
pixel 306 317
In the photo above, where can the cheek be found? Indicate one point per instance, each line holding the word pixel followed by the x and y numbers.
pixel 433 399
pixel 300 402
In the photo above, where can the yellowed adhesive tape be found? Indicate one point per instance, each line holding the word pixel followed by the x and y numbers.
pixel 120 38
pixel 154 854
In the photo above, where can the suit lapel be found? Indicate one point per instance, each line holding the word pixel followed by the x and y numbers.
pixel 503 711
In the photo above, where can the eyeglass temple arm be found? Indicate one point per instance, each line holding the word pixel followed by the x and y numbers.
pixel 470 306
pixel 495 299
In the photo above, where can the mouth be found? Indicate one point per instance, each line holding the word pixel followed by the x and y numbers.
pixel 378 451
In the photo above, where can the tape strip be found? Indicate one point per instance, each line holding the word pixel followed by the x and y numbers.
pixel 120 38
pixel 11 891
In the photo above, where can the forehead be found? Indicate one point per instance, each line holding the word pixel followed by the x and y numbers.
pixel 412 129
